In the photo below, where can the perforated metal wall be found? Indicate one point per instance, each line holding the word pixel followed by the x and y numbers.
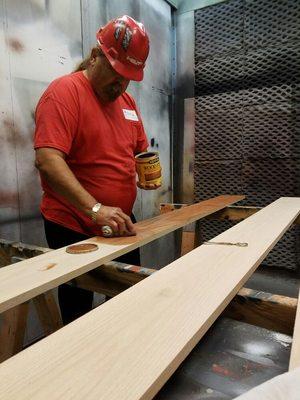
pixel 247 83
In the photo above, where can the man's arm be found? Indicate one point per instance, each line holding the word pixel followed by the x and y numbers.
pixel 52 165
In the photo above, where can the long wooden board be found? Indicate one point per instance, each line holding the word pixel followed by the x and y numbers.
pixel 24 280
pixel 127 348
pixel 295 352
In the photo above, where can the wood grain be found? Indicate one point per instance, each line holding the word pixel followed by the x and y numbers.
pixel 127 348
pixel 12 330
pixel 295 352
pixel 29 278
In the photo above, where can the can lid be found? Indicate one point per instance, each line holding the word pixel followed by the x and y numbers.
pixel 146 154
pixel 82 248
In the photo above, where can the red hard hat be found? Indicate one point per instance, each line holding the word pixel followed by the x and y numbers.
pixel 125 44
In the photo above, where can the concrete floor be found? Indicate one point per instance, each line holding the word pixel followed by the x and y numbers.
pixel 232 358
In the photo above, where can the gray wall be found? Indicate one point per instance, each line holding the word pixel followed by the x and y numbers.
pixel 39 41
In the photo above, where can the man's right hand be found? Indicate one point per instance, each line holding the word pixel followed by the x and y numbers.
pixel 116 219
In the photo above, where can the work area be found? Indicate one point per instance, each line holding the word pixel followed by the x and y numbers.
pixel 150 200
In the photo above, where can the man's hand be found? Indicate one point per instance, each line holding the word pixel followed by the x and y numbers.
pixel 116 219
pixel 148 186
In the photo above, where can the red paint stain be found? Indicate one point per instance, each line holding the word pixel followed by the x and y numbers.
pixel 220 370
pixel 8 198
pixel 134 269
pixel 14 134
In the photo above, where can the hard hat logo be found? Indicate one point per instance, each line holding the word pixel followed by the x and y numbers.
pixel 121 26
pixel 127 38
pixel 125 44
pixel 134 61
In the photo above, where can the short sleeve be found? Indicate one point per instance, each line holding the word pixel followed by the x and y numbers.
pixel 56 125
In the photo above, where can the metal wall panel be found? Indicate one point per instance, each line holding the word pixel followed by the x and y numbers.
pixel 152 95
pixel 155 105
pixel 188 152
pixel 41 40
pixel 9 202
pixel 184 89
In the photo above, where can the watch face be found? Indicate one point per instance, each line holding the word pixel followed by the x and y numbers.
pixel 96 207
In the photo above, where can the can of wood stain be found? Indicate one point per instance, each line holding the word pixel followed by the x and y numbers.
pixel 148 168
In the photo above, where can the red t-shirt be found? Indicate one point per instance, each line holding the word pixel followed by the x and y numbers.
pixel 99 141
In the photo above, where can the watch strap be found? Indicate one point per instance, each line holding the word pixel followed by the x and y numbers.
pixel 95 210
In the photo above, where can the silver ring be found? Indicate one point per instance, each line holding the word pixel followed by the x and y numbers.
pixel 107 231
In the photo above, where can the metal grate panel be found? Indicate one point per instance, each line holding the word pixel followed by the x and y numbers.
pixel 271 130
pixel 288 93
pixel 219 134
pixel 274 94
pixel 247 110
pixel 215 178
pixel 260 68
pixel 273 66
pixel 219 74
pixel 271 21
pixel 266 180
pixel 219 29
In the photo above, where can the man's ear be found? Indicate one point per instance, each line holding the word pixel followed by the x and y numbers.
pixel 94 55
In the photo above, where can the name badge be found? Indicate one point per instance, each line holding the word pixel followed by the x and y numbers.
pixel 130 114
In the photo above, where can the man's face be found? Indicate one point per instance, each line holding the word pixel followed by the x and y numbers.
pixel 106 82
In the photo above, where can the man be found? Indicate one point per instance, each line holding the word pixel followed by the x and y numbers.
pixel 88 131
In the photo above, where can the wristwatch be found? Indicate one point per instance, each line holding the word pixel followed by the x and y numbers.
pixel 95 210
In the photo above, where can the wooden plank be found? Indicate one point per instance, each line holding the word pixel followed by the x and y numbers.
pixel 187 242
pixel 238 213
pixel 48 312
pixel 258 308
pixel 267 310
pixel 29 278
pixel 230 213
pixel 112 278
pixel 295 352
pixel 262 309
pixel 12 332
pixel 127 348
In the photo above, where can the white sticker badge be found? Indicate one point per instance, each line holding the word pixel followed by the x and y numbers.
pixel 130 114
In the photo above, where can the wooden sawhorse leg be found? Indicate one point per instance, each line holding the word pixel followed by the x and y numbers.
pixel 14 321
